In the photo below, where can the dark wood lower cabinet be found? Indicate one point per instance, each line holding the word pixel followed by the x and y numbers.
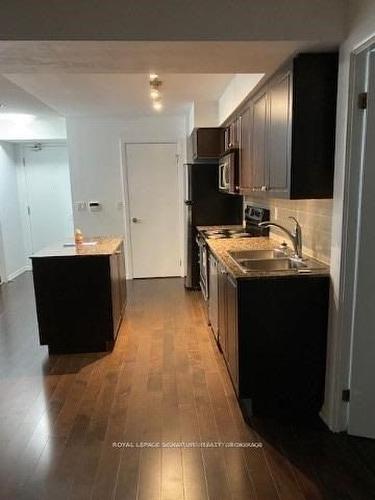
pixel 273 335
pixel 232 330
pixel 228 322
pixel 80 301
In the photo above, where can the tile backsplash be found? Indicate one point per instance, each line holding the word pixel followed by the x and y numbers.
pixel 315 217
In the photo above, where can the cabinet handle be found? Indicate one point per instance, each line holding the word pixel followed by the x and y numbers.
pixel 118 252
pixel 264 188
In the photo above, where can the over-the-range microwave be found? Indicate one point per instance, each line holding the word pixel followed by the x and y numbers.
pixel 229 172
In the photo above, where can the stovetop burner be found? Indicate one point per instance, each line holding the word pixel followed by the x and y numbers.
pixel 219 234
pixel 253 215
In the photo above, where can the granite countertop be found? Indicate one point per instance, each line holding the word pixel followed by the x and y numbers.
pixel 90 247
pixel 220 248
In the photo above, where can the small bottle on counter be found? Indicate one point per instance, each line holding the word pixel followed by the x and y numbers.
pixel 282 250
pixel 78 237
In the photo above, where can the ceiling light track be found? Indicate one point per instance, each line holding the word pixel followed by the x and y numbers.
pixel 155 92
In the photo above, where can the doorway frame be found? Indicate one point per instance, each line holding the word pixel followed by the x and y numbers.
pixel 180 160
pixel 3 270
pixel 24 188
pixel 351 220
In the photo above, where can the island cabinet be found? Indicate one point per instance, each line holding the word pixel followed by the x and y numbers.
pixel 273 336
pixel 289 137
pixel 80 295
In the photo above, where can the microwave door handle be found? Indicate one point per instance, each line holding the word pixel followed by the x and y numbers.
pixel 225 176
pixel 221 175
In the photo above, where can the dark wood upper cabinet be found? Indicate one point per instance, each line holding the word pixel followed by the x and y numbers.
pixel 258 139
pixel 245 148
pixel 207 143
pixel 232 135
pixel 291 133
pixel 279 108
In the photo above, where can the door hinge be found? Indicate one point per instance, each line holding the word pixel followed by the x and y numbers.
pixel 346 395
pixel 29 210
pixel 362 100
pixel 23 162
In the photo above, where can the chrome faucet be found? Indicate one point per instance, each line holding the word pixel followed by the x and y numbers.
pixel 295 238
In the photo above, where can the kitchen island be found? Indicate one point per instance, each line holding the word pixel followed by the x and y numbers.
pixel 80 293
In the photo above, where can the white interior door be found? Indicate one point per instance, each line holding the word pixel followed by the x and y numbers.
pixel 153 209
pixel 362 387
pixel 48 195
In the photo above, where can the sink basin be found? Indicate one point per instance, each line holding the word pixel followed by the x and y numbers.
pixel 271 265
pixel 241 255
pixel 268 261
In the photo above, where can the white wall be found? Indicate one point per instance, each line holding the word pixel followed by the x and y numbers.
pixel 361 26
pixel 236 91
pixel 206 113
pixel 39 129
pixel 13 250
pixel 96 165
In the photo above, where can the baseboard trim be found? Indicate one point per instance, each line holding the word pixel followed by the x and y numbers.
pixel 17 273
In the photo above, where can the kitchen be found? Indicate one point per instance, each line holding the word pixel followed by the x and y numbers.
pixel 156 371
pixel 244 275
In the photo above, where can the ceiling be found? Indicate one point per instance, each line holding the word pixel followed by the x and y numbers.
pixel 145 57
pixel 125 95
pixel 19 101
pixel 85 78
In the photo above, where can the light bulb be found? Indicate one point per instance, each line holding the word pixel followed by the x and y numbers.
pixel 154 93
pixel 157 105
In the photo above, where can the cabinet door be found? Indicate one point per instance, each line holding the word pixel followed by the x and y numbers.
pixel 213 295
pixel 232 330
pixel 122 276
pixel 115 293
pixel 278 143
pixel 222 312
pixel 258 149
pixel 245 152
pixel 207 143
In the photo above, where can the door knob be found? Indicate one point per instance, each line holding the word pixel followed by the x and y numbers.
pixel 135 220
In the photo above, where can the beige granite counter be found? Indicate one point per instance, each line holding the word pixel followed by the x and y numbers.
pixel 220 248
pixel 89 247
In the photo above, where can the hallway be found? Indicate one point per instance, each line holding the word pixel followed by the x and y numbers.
pixel 164 382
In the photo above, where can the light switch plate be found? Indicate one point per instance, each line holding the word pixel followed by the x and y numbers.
pixel 81 206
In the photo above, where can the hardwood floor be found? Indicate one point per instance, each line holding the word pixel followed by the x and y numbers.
pixel 165 381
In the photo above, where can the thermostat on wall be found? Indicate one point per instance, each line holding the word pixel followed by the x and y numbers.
pixel 95 206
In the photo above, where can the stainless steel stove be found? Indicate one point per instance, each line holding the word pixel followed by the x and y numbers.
pixel 253 215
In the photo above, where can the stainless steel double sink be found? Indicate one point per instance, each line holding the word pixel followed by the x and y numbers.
pixel 271 261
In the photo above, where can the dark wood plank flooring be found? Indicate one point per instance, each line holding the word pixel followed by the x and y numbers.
pixel 165 381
